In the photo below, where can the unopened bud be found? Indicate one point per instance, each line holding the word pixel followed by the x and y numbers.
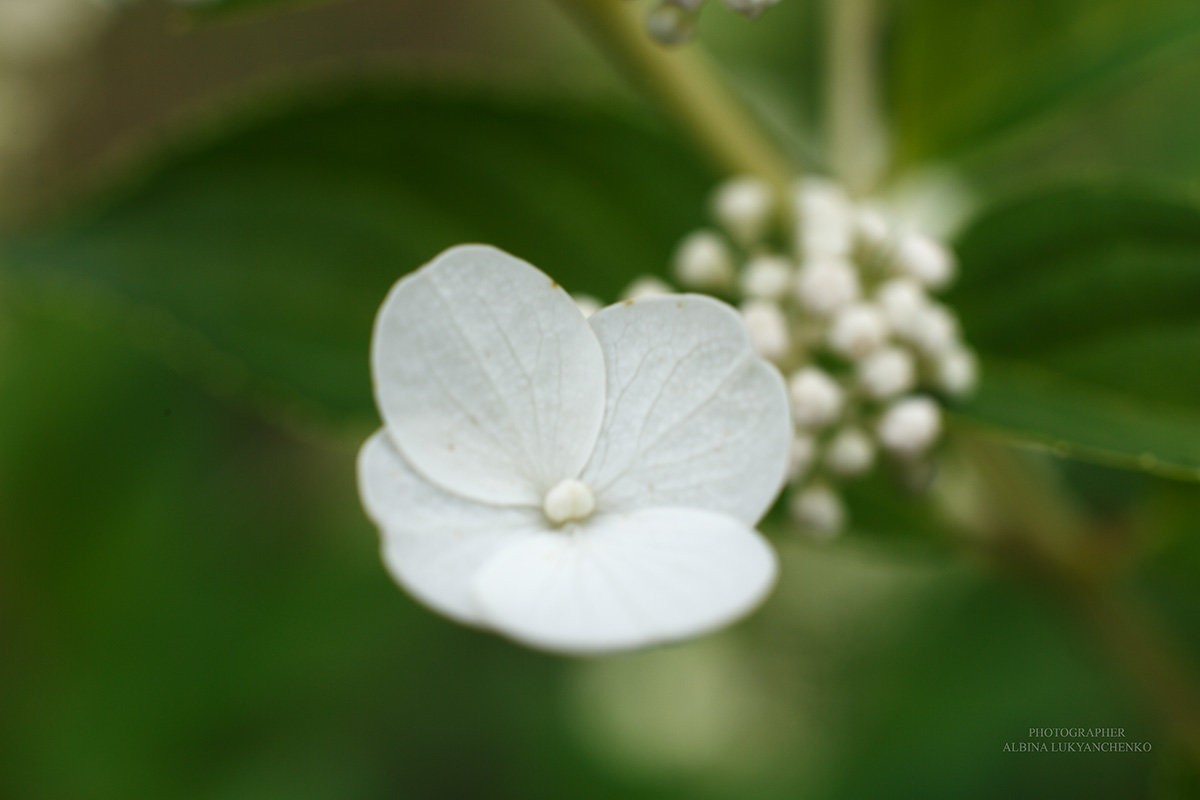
pixel 703 261
pixel 851 453
pixel 957 372
pixel 824 219
pixel 857 330
pixel 910 425
pixel 646 286
pixel 925 259
pixel 670 24
pixel 768 329
pixel 767 277
pixel 750 8
pixel 816 398
pixel 745 207
pixel 818 510
pixel 886 373
pixel 587 304
pixel 801 456
pixel 823 287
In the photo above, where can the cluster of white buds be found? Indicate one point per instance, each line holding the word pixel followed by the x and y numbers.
pixel 673 22
pixel 839 297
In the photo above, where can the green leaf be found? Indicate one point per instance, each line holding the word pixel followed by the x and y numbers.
pixel 217 9
pixel 1084 304
pixel 963 74
pixel 259 256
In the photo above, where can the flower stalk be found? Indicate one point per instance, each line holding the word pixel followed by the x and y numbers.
pixel 684 84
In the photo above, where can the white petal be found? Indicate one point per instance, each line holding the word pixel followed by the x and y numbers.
pixel 621 581
pixel 488 377
pixel 434 542
pixel 695 418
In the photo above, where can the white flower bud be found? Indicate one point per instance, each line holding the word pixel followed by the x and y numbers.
pixel 957 372
pixel 824 286
pixel 646 286
pixel 767 277
pixel 888 372
pixel 587 304
pixel 935 330
pixel 818 510
pixel 925 259
pixel 902 301
pixel 768 329
pixel 703 261
pixel 744 206
pixel 857 330
pixel 910 425
pixel 801 456
pixel 872 230
pixel 816 398
pixel 669 24
pixel 824 219
pixel 750 8
pixel 851 453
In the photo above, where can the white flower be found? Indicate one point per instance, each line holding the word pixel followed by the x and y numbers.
pixel 824 286
pixel 851 453
pixel 768 329
pixel 744 206
pixel 887 372
pixel 910 425
pixel 580 485
pixel 703 261
pixel 646 286
pixel 816 398
pixel 818 509
pixel 767 277
pixel 925 259
pixel 857 330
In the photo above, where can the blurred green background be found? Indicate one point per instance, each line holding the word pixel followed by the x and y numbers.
pixel 200 212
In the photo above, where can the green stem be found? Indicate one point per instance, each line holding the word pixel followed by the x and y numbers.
pixel 854 129
pixel 683 83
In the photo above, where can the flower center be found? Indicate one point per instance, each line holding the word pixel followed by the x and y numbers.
pixel 568 500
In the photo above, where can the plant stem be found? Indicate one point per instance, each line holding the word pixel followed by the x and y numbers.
pixel 684 84
pixel 854 129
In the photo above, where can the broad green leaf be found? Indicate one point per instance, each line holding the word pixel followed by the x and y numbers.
pixel 1084 304
pixel 260 255
pixel 962 74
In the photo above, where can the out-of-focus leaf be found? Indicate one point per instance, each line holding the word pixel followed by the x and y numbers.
pixel 262 254
pixel 965 73
pixel 192 606
pixel 216 9
pixel 1084 303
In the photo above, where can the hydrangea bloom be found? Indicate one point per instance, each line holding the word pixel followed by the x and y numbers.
pixel 578 484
